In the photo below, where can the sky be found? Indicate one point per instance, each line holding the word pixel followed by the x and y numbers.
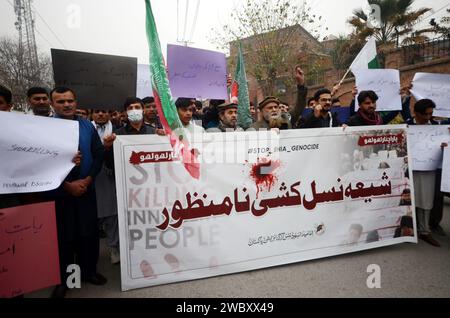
pixel 117 27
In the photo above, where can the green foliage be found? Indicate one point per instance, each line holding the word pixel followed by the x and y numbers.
pixel 396 22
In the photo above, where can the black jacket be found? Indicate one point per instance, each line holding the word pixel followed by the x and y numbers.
pixel 314 122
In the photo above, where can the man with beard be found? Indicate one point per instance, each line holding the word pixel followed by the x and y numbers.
pixel 39 101
pixel 270 116
pixel 228 118
pixel 322 116
pixel 367 115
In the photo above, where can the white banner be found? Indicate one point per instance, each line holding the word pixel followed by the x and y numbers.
pixel 435 87
pixel 263 199
pixel 426 143
pixel 36 152
pixel 385 83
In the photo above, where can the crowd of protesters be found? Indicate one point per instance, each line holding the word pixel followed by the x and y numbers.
pixel 86 201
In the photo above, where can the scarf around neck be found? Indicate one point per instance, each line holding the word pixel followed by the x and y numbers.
pixel 374 120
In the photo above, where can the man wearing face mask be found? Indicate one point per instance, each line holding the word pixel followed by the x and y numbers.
pixel 134 108
pixel 135 114
pixel 322 117
pixel 39 101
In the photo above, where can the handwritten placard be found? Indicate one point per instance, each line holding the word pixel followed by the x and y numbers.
pixel 100 81
pixel 28 249
pixel 385 83
pixel 435 87
pixel 445 184
pixel 36 152
pixel 144 85
pixel 425 142
pixel 196 73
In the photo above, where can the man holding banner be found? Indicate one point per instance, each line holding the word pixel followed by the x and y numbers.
pixel 424 181
pixel 76 208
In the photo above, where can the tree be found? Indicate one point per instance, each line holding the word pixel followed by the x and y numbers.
pixel 396 21
pixel 15 71
pixel 345 50
pixel 266 29
pixel 442 28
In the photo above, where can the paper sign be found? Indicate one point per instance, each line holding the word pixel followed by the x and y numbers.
pixel 100 81
pixel 425 142
pixel 28 249
pixel 196 73
pixel 435 87
pixel 144 85
pixel 36 152
pixel 385 83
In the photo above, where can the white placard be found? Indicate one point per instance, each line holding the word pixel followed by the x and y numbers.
pixel 425 142
pixel 435 87
pixel 144 86
pixel 36 152
pixel 385 83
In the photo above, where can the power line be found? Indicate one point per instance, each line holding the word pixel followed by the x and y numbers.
pixel 194 23
pixel 431 14
pixel 178 20
pixel 40 34
pixel 51 30
pixel 185 20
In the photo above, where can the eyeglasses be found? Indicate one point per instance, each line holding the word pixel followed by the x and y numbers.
pixel 100 111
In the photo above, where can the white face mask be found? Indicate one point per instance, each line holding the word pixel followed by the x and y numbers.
pixel 135 115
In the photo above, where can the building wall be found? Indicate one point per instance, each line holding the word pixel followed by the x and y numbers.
pixel 433 57
pixel 302 44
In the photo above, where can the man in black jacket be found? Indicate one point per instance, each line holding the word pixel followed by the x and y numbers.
pixel 367 115
pixel 322 116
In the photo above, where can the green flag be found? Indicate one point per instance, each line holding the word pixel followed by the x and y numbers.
pixel 239 91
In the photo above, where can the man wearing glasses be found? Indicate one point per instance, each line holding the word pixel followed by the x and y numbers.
pixel 322 116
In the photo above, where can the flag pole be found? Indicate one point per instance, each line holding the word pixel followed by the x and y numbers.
pixel 343 78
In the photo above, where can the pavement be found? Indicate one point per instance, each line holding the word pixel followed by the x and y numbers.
pixel 407 270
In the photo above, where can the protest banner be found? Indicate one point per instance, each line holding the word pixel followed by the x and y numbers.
pixel 435 87
pixel 36 152
pixel 262 199
pixel 196 73
pixel 100 81
pixel 426 143
pixel 385 83
pixel 28 249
